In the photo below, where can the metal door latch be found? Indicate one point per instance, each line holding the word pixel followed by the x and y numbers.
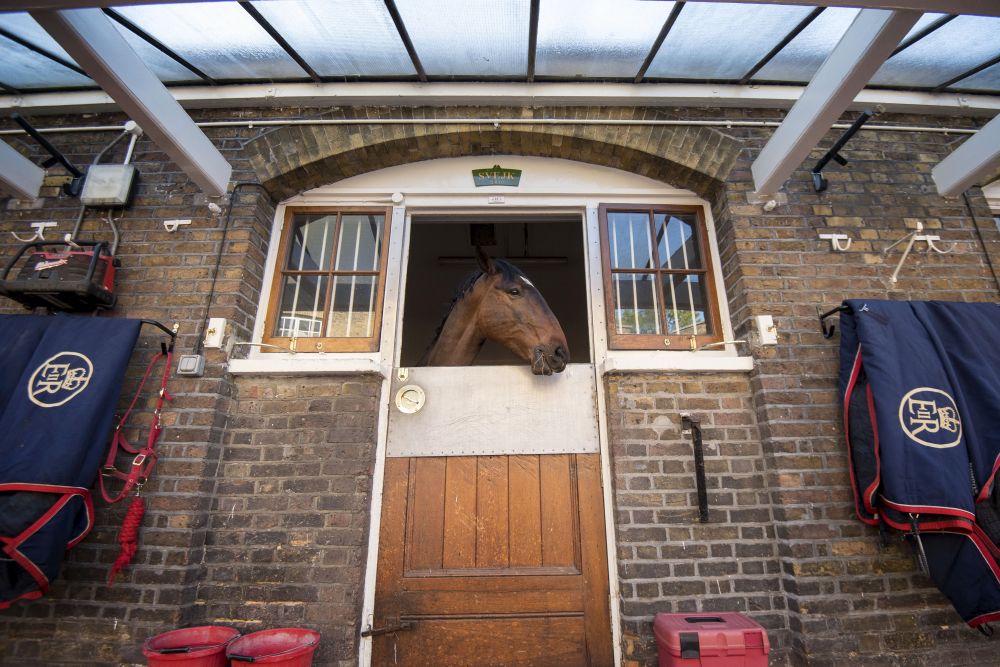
pixel 388 630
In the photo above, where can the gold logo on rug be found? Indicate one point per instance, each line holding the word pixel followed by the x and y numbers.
pixel 60 379
pixel 930 417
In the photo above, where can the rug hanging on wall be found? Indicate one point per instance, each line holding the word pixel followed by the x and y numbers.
pixel 920 385
pixel 60 378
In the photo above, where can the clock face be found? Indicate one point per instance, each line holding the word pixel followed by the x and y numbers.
pixel 410 399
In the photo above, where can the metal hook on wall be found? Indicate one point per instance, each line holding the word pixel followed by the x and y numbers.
pixel 39 234
pixel 912 238
pixel 828 329
pixel 835 241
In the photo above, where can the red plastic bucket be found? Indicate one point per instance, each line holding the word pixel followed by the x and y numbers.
pixel 288 647
pixel 204 646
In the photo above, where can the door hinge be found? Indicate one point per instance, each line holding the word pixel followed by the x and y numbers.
pixel 388 629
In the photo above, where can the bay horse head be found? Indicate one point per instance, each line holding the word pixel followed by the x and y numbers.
pixel 499 303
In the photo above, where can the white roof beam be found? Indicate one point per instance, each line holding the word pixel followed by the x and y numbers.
pixel 450 93
pixel 971 163
pixel 864 47
pixel 89 36
pixel 19 175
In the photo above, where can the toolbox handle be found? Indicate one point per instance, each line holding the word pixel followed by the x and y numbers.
pixel 703 619
pixel 97 245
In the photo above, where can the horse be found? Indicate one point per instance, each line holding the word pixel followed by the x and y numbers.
pixel 499 303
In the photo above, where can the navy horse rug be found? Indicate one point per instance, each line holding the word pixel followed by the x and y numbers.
pixel 60 378
pixel 920 383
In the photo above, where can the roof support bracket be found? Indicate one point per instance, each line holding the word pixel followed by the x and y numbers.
pixel 849 67
pixel 819 182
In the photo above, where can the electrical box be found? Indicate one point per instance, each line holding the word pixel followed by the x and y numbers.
pixel 108 185
pixel 192 365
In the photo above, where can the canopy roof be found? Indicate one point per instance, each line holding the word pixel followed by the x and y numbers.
pixel 272 41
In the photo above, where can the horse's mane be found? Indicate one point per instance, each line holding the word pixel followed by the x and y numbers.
pixel 503 267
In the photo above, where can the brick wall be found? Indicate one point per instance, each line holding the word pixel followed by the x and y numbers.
pixel 288 527
pixel 251 464
pixel 847 598
pixel 669 561
pixel 166 277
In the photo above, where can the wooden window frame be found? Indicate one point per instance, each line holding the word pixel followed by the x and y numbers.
pixel 619 341
pixel 325 344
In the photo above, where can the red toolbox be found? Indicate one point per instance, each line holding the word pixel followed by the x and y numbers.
pixel 723 639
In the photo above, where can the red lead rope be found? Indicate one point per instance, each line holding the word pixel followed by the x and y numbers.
pixel 139 471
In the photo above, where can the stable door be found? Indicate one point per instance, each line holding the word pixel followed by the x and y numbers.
pixel 493 548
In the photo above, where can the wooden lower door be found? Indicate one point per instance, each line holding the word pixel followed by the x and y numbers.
pixel 493 560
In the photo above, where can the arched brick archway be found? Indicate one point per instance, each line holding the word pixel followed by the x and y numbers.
pixel 296 158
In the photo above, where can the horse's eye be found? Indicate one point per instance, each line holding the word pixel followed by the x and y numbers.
pixel 514 291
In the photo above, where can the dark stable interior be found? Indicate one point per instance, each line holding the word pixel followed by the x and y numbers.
pixel 550 252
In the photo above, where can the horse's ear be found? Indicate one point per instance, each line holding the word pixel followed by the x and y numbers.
pixel 485 261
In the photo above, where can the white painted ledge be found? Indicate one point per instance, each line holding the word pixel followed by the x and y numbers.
pixel 653 361
pixel 305 364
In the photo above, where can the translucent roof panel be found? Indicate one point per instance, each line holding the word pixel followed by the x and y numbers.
pixel 800 59
pixel 341 37
pixel 596 38
pixel 25 27
pixel 986 80
pixel 219 38
pixel 957 47
pixel 462 38
pixel 24 69
pixel 722 41
pixel 163 66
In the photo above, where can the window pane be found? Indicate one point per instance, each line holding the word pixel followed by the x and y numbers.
pixel 957 47
pixel 458 37
pixel 630 244
pixel 800 59
pixel 353 313
pixel 599 38
pixel 341 37
pixel 636 305
pixel 360 243
pixel 312 236
pixel 219 38
pixel 721 40
pixel 677 242
pixel 686 305
pixel 301 311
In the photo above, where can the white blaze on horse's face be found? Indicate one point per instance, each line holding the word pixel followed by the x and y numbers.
pixel 514 313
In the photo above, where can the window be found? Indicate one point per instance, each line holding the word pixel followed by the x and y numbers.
pixel 328 286
pixel 658 281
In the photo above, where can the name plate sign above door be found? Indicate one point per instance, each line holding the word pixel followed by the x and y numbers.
pixel 496 175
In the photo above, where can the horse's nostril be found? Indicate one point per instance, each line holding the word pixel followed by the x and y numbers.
pixel 561 353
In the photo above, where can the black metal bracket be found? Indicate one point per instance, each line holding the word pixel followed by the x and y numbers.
pixel 72 188
pixel 819 183
pixel 170 332
pixel 693 427
pixel 828 329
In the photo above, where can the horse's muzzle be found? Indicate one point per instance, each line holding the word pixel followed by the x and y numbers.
pixel 548 360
